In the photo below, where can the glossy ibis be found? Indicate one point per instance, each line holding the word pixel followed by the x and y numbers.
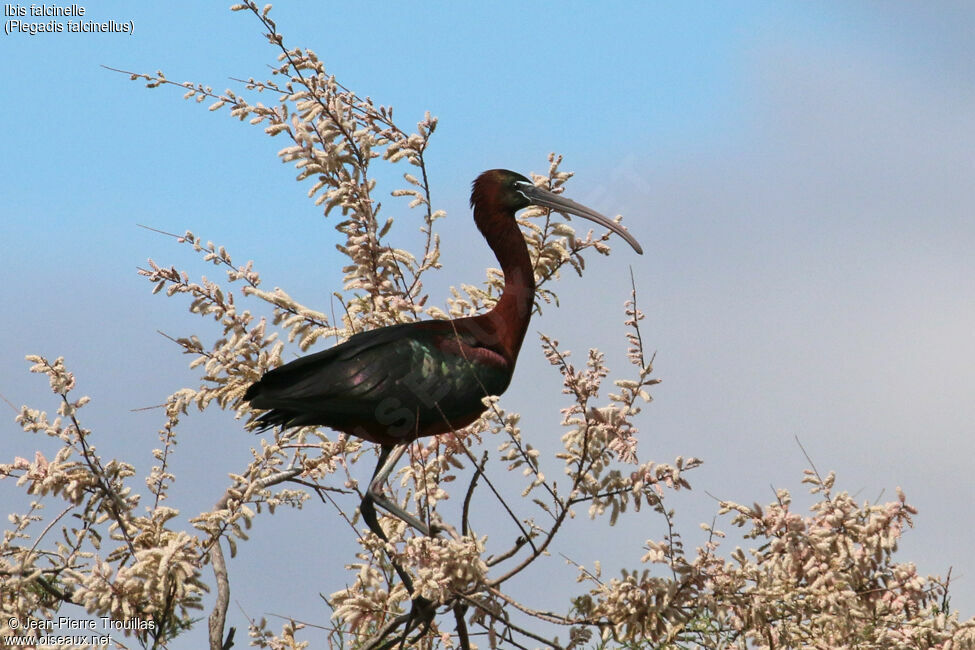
pixel 395 384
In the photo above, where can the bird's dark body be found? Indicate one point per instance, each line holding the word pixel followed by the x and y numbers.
pixel 398 383
pixel 389 385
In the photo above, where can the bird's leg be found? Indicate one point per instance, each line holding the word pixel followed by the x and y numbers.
pixel 368 511
pixel 376 494
pixel 422 610
pixel 387 462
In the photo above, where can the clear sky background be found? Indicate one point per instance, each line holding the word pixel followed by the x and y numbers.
pixel 800 176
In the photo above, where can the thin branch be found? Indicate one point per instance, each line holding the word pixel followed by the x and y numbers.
pixel 465 515
pixel 44 532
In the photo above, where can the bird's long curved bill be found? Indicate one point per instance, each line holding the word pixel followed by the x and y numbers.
pixel 559 203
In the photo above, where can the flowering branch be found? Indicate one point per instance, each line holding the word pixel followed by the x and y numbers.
pixel 825 578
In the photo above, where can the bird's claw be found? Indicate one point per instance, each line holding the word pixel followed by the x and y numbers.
pixel 420 617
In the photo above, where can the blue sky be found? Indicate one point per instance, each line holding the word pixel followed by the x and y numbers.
pixel 799 174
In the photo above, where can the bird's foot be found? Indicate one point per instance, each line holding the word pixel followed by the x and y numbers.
pixel 418 619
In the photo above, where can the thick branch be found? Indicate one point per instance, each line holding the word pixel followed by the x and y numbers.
pixel 218 617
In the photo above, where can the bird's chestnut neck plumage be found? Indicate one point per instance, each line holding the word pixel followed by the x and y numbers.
pixel 496 221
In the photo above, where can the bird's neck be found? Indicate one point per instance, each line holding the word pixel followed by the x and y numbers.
pixel 510 317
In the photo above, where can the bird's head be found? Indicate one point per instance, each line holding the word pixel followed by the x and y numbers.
pixel 501 191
